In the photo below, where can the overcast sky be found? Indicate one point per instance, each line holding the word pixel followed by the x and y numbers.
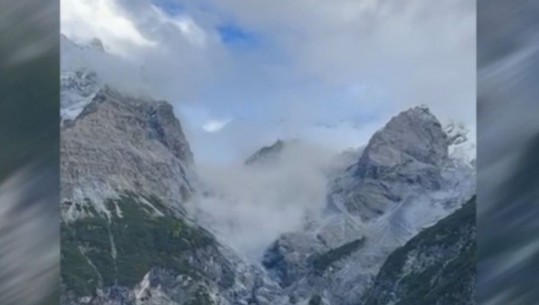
pixel 243 73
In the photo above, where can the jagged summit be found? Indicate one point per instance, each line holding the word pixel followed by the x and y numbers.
pixel 120 143
pixel 413 135
pixel 266 152
pixel 271 153
pixel 93 44
pixel 407 153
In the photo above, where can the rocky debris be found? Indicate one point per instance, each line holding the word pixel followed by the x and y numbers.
pixel 288 258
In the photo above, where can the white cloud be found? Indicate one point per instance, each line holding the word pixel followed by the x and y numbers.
pixel 88 19
pixel 253 205
pixel 149 52
pixel 194 33
pixel 420 52
pixel 311 60
pixel 213 126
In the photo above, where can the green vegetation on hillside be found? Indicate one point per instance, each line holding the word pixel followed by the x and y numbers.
pixel 141 239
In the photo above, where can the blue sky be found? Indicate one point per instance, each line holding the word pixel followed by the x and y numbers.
pixel 234 35
pixel 171 7
pixel 243 73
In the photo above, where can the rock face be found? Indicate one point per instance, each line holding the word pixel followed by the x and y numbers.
pixel 413 135
pixel 409 152
pixel 435 267
pixel 119 143
pixel 266 154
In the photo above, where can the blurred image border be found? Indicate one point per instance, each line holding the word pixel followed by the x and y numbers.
pixel 29 152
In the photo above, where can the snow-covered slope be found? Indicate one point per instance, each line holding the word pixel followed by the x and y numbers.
pixel 78 90
pixel 79 83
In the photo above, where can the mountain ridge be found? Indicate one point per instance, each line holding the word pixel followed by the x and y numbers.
pixel 406 206
pixel 128 171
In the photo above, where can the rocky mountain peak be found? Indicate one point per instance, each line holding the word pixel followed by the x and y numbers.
pixel 169 131
pixel 407 155
pixel 269 153
pixel 413 135
pixel 402 182
pixel 121 143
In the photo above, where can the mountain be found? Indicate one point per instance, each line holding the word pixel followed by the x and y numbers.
pixel 280 150
pixel 120 143
pixel 403 182
pixel 407 153
pixel 126 238
pixel 435 267
pixel 274 153
pixel 266 154
pixel 128 173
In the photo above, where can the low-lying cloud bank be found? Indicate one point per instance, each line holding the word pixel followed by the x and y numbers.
pixel 249 206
